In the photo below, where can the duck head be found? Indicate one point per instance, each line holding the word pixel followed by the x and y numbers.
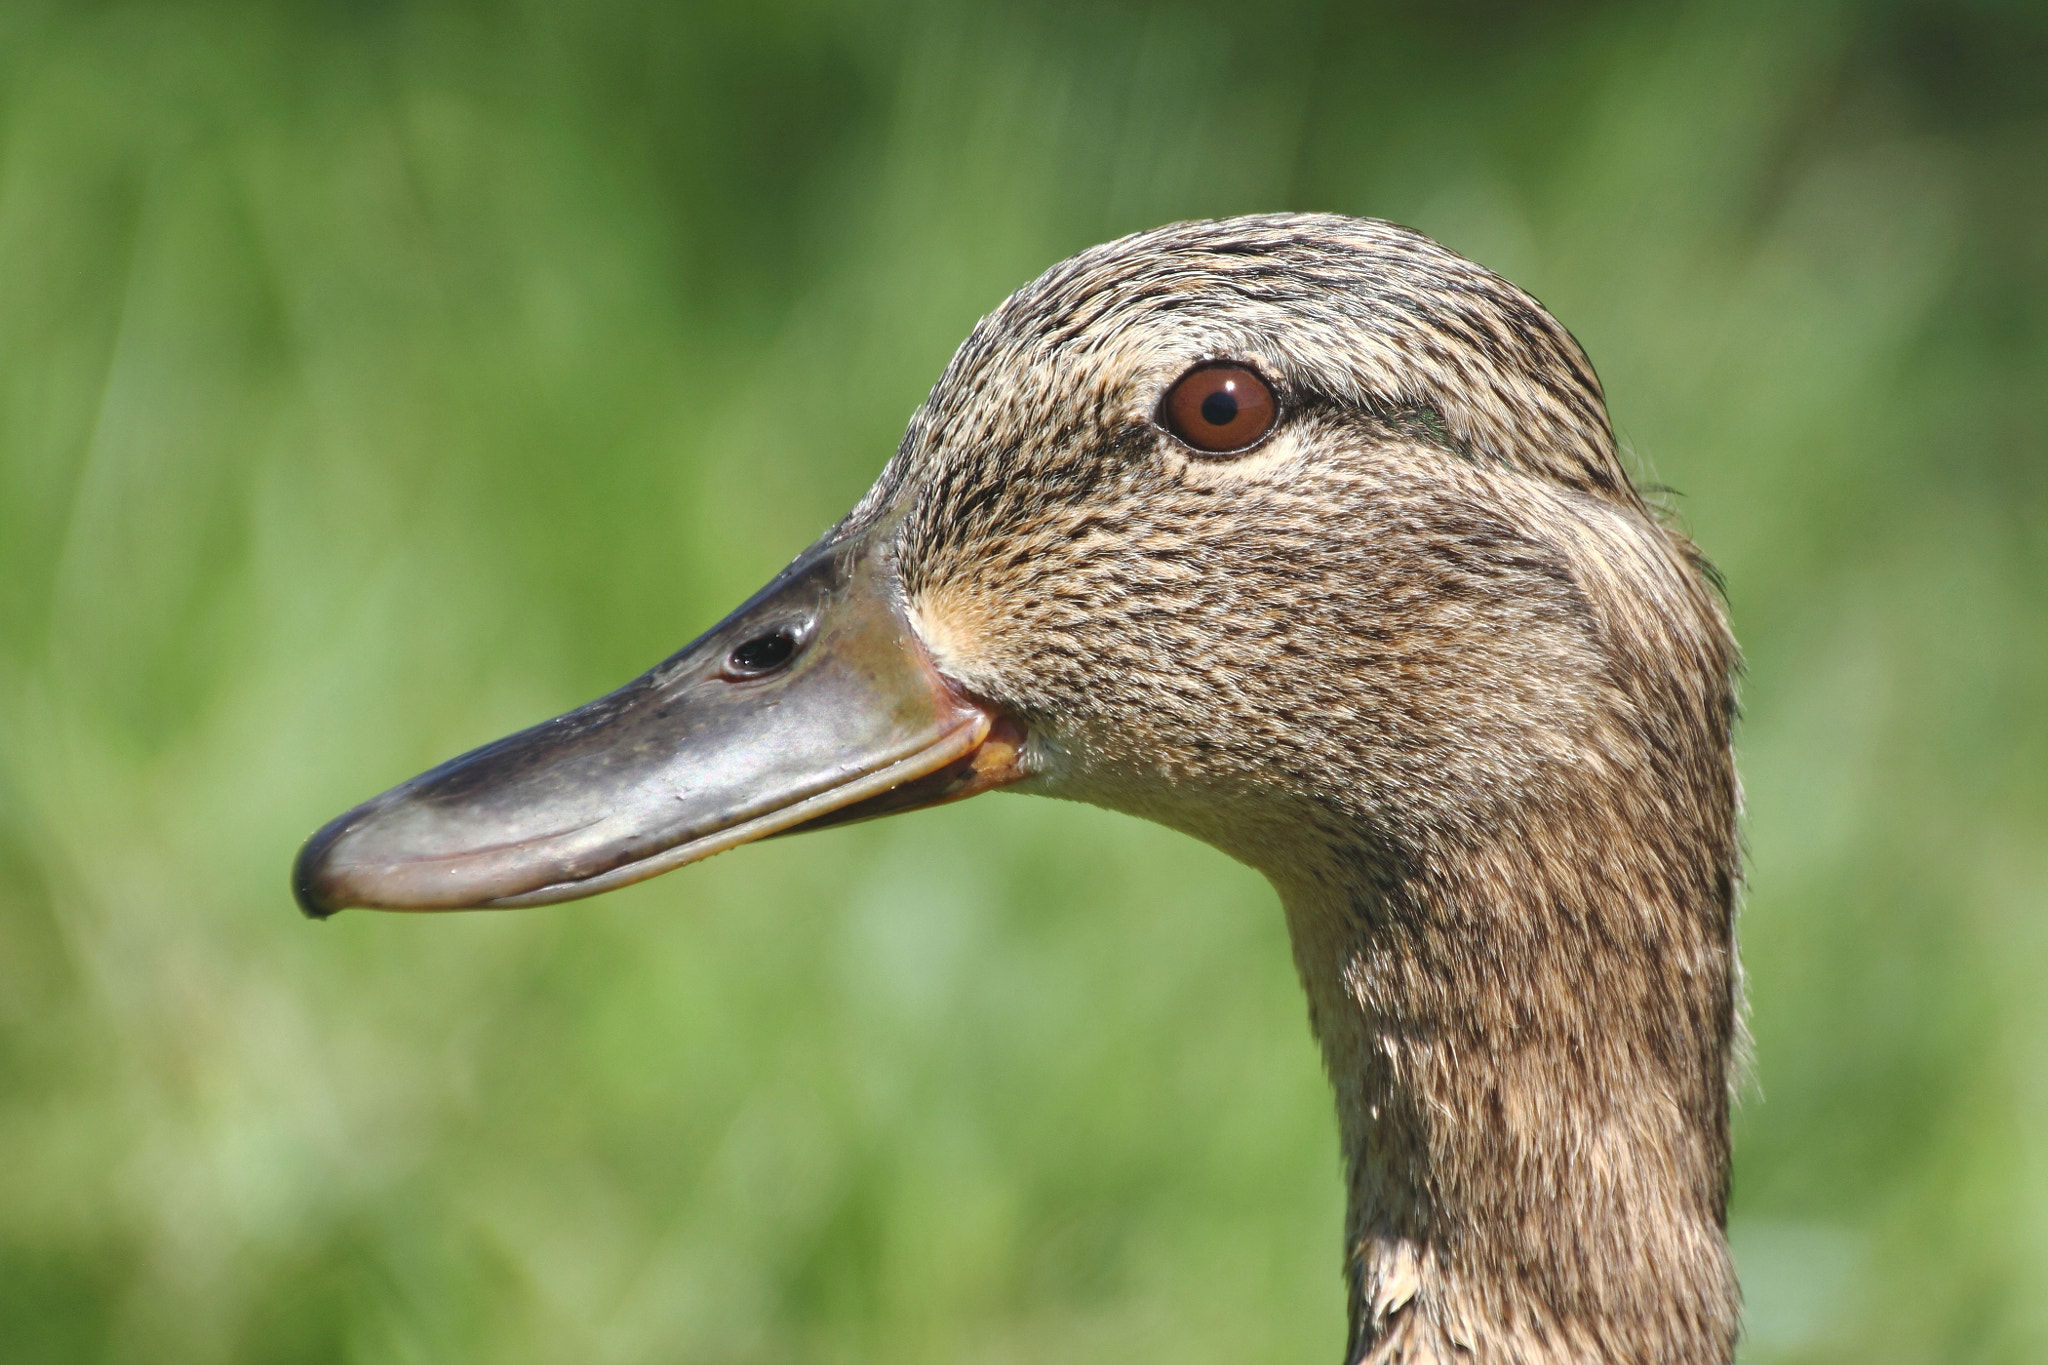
pixel 1308 537
pixel 1344 598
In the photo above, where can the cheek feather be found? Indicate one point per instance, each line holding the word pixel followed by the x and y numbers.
pixel 959 628
pixel 1281 457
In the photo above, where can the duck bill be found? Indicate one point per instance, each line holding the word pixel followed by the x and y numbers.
pixel 813 704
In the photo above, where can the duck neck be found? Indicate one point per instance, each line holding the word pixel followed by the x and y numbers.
pixel 1531 1072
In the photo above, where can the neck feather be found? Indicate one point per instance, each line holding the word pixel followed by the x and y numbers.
pixel 1530 1040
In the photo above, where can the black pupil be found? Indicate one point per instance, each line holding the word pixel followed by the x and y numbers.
pixel 764 652
pixel 1219 409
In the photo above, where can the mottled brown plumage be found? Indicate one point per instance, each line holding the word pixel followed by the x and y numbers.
pixel 1421 655
pixel 1427 660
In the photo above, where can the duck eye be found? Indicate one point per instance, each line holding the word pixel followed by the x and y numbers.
pixel 762 654
pixel 1221 408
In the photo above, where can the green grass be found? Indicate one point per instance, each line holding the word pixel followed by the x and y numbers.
pixel 376 379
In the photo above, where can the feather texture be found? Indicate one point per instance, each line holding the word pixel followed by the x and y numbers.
pixel 1426 659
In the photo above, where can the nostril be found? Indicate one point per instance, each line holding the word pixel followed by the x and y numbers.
pixel 762 654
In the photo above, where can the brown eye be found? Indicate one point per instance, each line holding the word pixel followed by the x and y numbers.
pixel 1221 409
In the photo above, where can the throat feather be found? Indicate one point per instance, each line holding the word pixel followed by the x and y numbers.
pixel 1529 1042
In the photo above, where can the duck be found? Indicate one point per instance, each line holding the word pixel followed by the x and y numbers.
pixel 1310 538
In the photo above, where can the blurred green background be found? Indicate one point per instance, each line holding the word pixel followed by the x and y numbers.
pixel 378 378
